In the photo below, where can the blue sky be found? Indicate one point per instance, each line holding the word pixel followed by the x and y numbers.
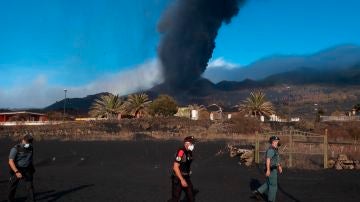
pixel 59 44
pixel 267 27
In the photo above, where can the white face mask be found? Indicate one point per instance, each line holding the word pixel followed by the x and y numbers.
pixel 191 147
pixel 27 145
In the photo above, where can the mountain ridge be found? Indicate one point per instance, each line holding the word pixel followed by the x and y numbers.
pixel 339 73
pixel 334 57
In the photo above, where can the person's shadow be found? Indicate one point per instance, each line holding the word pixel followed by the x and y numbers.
pixel 4 181
pixel 53 195
pixel 57 195
pixel 195 192
pixel 287 194
pixel 254 184
pixel 37 194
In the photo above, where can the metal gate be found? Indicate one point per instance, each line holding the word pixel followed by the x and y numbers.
pixel 294 142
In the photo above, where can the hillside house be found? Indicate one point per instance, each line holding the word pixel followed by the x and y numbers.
pixel 22 116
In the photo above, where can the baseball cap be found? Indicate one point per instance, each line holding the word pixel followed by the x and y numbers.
pixel 272 138
pixel 190 139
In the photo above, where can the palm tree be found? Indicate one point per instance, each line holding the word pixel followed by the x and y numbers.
pixel 107 106
pixel 137 104
pixel 256 104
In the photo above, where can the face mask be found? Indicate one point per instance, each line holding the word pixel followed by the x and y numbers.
pixel 26 145
pixel 191 147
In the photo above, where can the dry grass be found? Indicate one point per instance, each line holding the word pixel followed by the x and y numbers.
pixel 167 127
pixel 340 131
pixel 237 131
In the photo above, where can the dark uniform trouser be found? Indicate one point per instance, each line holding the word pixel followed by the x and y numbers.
pixel 14 181
pixel 177 188
pixel 270 186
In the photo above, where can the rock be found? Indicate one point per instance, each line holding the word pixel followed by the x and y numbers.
pixel 331 163
pixel 233 154
pixel 246 155
pixel 357 165
pixel 348 162
pixel 338 166
pixel 233 151
pixel 249 161
pixel 348 167
pixel 343 162
pixel 342 157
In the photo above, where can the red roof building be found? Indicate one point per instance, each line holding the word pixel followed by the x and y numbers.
pixel 22 116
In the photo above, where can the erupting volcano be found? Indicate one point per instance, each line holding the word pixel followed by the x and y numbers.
pixel 188 31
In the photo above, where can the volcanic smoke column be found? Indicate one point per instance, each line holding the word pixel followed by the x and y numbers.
pixel 189 29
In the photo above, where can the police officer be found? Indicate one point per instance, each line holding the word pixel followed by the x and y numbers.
pixel 273 167
pixel 21 167
pixel 181 171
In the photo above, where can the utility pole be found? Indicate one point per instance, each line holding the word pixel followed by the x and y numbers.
pixel 317 115
pixel 65 91
pixel 289 115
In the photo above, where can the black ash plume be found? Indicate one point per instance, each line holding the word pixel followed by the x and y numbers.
pixel 189 29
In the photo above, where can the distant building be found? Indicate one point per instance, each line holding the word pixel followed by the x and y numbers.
pixel 22 116
pixel 212 112
pixel 275 118
pixel 339 118
pixel 222 113
pixel 91 119
pixel 183 112
pixel 296 119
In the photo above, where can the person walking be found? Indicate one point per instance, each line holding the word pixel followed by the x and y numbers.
pixel 182 170
pixel 21 168
pixel 272 168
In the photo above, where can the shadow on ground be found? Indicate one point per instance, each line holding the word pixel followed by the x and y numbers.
pixel 53 195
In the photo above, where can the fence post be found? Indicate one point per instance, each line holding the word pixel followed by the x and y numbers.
pixel 290 150
pixel 257 160
pixel 326 149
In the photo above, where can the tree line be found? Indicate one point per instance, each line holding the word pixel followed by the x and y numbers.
pixel 139 105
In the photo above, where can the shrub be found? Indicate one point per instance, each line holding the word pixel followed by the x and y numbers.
pixel 164 105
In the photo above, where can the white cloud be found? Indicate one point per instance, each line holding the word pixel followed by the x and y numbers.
pixel 221 63
pixel 142 77
pixel 26 95
pixel 38 93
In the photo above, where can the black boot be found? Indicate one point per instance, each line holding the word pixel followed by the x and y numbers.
pixel 257 195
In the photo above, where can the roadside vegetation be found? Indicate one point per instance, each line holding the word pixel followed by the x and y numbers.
pixel 107 106
pixel 163 106
pixel 257 105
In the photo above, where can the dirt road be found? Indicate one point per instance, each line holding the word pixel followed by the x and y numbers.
pixel 140 170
